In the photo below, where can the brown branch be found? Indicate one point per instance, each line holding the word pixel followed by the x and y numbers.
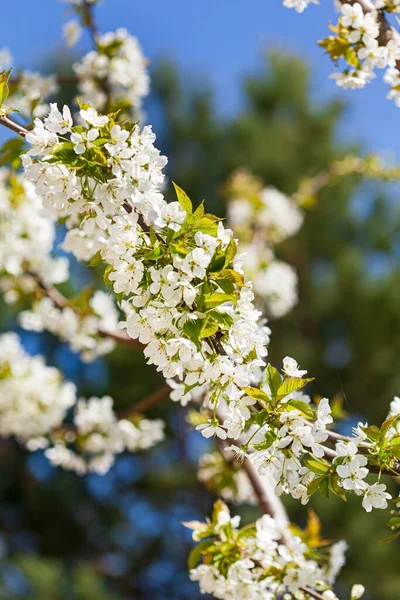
pixel 89 20
pixel 61 302
pixel 144 405
pixel 6 122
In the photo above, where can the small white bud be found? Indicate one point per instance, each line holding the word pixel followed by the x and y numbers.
pixel 329 595
pixel 357 591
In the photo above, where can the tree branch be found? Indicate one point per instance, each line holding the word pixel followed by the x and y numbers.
pixel 144 405
pixel 6 122
pixel 61 302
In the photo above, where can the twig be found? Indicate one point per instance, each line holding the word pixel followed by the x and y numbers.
pixel 147 403
pixel 6 122
pixel 61 302
pixel 89 20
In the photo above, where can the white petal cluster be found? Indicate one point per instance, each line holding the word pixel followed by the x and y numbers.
pixel 32 89
pixel 299 5
pixel 81 331
pixel 33 398
pixel 262 222
pixel 158 300
pixel 351 466
pixel 270 561
pixel 101 436
pixel 34 402
pixel 362 31
pixel 27 235
pixel 27 265
pixel 117 68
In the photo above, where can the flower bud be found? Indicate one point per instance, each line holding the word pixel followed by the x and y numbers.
pixel 357 591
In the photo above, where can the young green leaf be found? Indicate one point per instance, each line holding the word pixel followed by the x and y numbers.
pixel 183 199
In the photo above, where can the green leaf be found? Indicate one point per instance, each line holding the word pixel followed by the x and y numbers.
pixel 316 465
pixel 208 328
pixel 11 151
pixel 274 378
pixel 197 552
pixel 291 385
pixel 205 225
pixel 373 432
pixel 4 89
pixel 230 275
pixel 257 394
pixel 214 300
pixel 199 212
pixel 226 286
pixel 335 487
pixel 106 279
pixel 303 407
pixel 388 424
pixel 230 252
pixel 217 262
pixel 324 488
pixel 222 318
pixel 270 437
pixel 96 259
pixel 192 329
pixel 183 199
pixel 314 485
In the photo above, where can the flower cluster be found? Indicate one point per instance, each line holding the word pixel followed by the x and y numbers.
pixel 262 218
pixel 27 235
pixel 287 438
pixel 34 402
pixel 80 324
pixel 28 268
pixel 262 560
pixel 173 269
pixel 114 74
pixel 359 43
pixel 99 436
pixel 299 5
pixel 29 90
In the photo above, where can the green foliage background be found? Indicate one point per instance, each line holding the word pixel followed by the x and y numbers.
pixel 345 331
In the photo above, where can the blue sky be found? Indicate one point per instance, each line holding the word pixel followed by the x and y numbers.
pixel 222 39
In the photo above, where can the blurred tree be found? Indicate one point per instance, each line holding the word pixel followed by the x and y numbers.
pixel 125 527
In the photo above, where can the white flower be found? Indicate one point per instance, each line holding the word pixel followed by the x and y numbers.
pixel 212 428
pixel 352 15
pixel 57 122
pixel 291 368
pixel 91 116
pixel 353 473
pixel 171 216
pixel 72 32
pixel 375 497
pixel 83 141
